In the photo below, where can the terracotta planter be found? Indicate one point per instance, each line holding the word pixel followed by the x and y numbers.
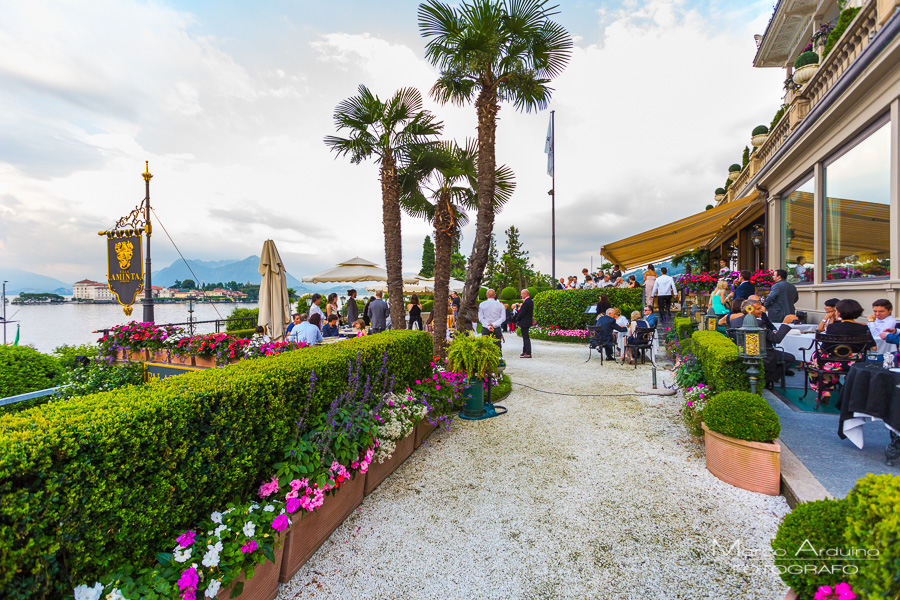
pixel 264 583
pixel 422 431
pixel 791 595
pixel 139 356
pixel 205 361
pixel 753 466
pixel 378 472
pixel 160 356
pixel 309 530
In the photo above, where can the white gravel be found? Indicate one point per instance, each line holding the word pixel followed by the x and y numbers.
pixel 563 497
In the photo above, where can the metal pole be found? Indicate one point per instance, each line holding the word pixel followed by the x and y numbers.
pixel 148 285
pixel 553 195
pixel 4 312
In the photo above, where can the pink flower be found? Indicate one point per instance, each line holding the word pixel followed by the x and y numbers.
pixel 291 494
pixel 280 522
pixel 186 539
pixel 267 489
pixel 354 465
pixel 188 583
pixel 292 505
pixel 249 547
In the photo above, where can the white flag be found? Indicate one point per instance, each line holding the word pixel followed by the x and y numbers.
pixel 548 147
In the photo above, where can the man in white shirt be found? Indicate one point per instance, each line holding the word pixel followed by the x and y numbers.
pixel 664 289
pixel 881 318
pixel 605 282
pixel 491 315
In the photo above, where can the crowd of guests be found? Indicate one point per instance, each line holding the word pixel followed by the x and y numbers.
pixel 615 332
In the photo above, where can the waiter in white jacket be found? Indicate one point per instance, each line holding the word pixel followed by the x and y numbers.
pixel 491 315
pixel 664 289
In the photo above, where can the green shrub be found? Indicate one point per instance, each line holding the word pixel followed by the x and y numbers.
pixel 251 316
pixel 532 292
pixel 565 308
pixel 723 369
pixel 778 114
pixel 428 306
pixel 720 191
pixel 760 130
pixel 847 16
pixel 742 415
pixel 100 377
pixel 811 526
pixel 243 334
pixel 502 389
pixel 66 354
pixel 509 294
pixel 684 327
pixel 24 369
pixel 93 483
pixel 873 523
pixel 482 294
pixel 735 168
pixel 807 58
pixel 689 372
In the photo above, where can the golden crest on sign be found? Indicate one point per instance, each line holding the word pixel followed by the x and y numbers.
pixel 124 252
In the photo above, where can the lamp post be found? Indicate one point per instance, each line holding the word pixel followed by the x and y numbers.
pixel 696 316
pixel 710 322
pixel 148 286
pixel 751 343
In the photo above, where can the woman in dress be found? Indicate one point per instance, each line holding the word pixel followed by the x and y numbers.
pixel 631 339
pixel 415 313
pixel 632 282
pixel 331 305
pixel 649 280
pixel 844 323
pixel 719 297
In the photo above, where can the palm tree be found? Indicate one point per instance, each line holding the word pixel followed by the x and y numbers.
pixel 439 185
pixel 389 131
pixel 491 51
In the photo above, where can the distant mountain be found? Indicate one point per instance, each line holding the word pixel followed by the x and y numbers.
pixel 242 271
pixel 26 282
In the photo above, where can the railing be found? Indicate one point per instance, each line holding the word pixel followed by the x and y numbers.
pixel 29 396
pixel 191 325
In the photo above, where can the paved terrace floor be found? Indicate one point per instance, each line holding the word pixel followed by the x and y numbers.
pixel 563 497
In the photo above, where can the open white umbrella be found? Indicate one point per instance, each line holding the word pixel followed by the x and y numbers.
pixel 355 269
pixel 423 285
pixel 274 303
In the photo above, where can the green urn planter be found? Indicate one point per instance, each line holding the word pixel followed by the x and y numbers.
pixel 474 396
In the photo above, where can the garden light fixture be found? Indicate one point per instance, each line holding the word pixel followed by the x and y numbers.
pixel 751 343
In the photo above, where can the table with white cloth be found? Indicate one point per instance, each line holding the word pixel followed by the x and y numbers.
pixel 797 340
pixel 871 393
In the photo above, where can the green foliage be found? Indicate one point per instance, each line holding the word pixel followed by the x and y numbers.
pixel 745 157
pixel 427 258
pixel 188 284
pixel 482 294
pixel 684 328
pixel 66 354
pixel 735 168
pixel 760 130
pixel 532 292
pixel 536 334
pixel 428 306
pixel 723 369
pixel 242 334
pixel 807 58
pixel 509 294
pixel 873 523
pixel 778 114
pixel 743 416
pixel 810 527
pixel 565 308
pixel 502 389
pixel 709 207
pixel 689 372
pixel 720 191
pixel 249 316
pixel 100 376
pixel 24 369
pixel 37 298
pixel 93 483
pixel 847 16
pixel 475 356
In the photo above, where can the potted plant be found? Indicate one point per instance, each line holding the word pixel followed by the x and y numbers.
pixel 720 194
pixel 207 350
pixel 805 65
pixel 760 135
pixel 734 171
pixel 740 430
pixel 476 357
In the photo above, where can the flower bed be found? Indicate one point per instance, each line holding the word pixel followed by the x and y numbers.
pixel 553 333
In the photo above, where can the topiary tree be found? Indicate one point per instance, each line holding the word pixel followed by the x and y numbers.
pixel 743 416
pixel 532 292
pixel 482 294
pixel 508 294
pixel 720 191
pixel 847 16
pixel 24 369
pixel 735 168
pixel 807 58
pixel 760 130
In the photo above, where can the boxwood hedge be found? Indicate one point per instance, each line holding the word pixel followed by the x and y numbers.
pixel 24 369
pixel 743 416
pixel 873 524
pixel 565 308
pixel 723 369
pixel 91 484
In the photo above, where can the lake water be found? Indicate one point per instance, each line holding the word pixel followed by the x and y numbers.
pixel 46 326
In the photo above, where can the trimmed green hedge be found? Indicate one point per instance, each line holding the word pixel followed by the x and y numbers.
pixel 96 482
pixel 743 416
pixel 243 334
pixel 723 369
pixel 24 369
pixel 873 523
pixel 565 308
pixel 684 328
pixel 509 294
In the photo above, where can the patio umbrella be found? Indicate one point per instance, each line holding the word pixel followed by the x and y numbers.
pixel 355 269
pixel 423 285
pixel 274 303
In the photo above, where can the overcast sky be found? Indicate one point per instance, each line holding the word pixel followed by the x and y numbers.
pixel 230 101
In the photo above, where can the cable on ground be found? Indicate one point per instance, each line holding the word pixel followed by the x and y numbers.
pixel 584 395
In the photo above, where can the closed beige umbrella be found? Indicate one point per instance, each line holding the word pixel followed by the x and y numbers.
pixel 274 303
pixel 355 269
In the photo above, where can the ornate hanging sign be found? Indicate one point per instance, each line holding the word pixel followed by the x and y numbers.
pixel 125 259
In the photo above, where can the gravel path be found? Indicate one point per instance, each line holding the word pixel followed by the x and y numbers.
pixel 563 497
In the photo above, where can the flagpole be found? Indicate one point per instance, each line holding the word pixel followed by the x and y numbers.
pixel 148 284
pixel 553 195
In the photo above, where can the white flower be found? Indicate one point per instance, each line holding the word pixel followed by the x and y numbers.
pixel 116 594
pixel 182 555
pixel 220 529
pixel 217 546
pixel 211 558
pixel 83 592
pixel 216 517
pixel 253 507
pixel 249 528
pixel 213 588
pixel 269 508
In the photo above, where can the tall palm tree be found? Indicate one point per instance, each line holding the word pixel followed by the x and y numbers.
pixel 491 51
pixel 439 185
pixel 389 131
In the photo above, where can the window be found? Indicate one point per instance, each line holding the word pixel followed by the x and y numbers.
pixel 857 208
pixel 797 234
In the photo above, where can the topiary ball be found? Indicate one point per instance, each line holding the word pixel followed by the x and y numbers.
pixel 509 294
pixel 743 416
pixel 734 168
pixel 809 528
pixel 807 58
pixel 760 130
pixel 720 191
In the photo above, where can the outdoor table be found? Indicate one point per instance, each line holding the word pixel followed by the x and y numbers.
pixel 871 393
pixel 796 342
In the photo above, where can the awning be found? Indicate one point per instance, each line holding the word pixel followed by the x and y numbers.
pixel 684 235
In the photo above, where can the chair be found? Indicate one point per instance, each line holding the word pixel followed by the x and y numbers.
pixel 832 358
pixel 596 341
pixel 643 341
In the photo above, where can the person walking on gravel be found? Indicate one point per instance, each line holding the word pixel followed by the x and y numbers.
pixel 524 319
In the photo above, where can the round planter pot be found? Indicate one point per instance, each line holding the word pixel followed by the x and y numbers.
pixel 805 73
pixel 378 472
pixel 264 583
pixel 759 140
pixel 474 396
pixel 732 175
pixel 752 466
pixel 719 197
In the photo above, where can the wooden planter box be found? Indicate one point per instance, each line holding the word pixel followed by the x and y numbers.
pixel 753 466
pixel 204 361
pixel 422 431
pixel 378 472
pixel 160 356
pixel 309 530
pixel 264 583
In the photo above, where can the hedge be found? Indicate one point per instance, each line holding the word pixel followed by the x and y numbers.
pixel 873 523
pixel 100 481
pixel 24 369
pixel 684 328
pixel 565 308
pixel 243 334
pixel 743 416
pixel 721 366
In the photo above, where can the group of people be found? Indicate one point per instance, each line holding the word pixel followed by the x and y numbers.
pixel 589 281
pixel 494 316
pixel 617 331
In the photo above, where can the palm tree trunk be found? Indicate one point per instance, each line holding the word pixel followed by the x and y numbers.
pixel 443 249
pixel 487 108
pixel 393 241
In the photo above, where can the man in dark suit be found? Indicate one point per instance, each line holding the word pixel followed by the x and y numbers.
pixel 524 320
pixel 607 324
pixel 782 298
pixel 380 312
pixel 744 288
pixel 774 357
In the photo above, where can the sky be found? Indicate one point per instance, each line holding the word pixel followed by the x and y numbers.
pixel 230 102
